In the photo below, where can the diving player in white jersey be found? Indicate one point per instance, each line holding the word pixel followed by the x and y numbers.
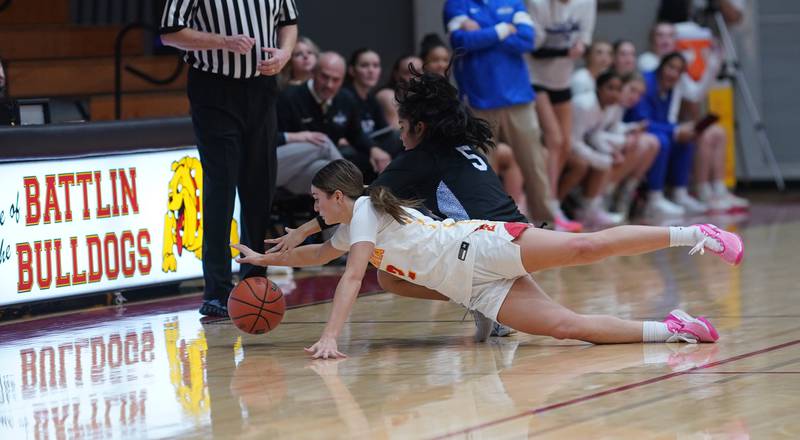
pixel 482 265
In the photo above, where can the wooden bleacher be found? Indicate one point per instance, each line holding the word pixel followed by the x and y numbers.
pixel 47 57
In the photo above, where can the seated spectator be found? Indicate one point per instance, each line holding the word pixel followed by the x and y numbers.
pixel 624 57
pixel 385 96
pixel 598 59
pixel 601 149
pixel 710 158
pixel 662 42
pixel 637 142
pixel 320 105
pixel 435 54
pixel 363 73
pixel 674 159
pixel 300 67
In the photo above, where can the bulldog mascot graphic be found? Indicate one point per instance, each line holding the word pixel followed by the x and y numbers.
pixel 183 223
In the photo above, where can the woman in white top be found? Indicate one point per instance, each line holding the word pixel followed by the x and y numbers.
pixel 563 30
pixel 482 265
pixel 613 149
pixel 598 59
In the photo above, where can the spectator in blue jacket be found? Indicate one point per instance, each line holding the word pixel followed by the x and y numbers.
pixel 489 38
pixel 674 161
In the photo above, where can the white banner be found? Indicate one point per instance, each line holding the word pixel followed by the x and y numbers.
pixel 70 227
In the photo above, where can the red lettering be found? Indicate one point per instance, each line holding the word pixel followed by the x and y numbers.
pixel 131 348
pixel 143 240
pixel 84 179
pixel 67 181
pixel 24 262
pixel 395 271
pixel 95 248
pixel 114 351
pixel 77 277
pixel 50 199
pixel 28 356
pixel 102 211
pixel 412 275
pixel 112 270
pixel 43 282
pixel 127 254
pixel 61 280
pixel 114 205
pixel 128 191
pixel 33 212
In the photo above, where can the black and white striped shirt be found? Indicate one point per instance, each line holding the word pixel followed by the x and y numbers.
pixel 259 19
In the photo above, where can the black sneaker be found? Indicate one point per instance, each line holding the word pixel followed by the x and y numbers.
pixel 214 307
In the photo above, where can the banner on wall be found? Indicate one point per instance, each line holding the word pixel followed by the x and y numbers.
pixel 70 227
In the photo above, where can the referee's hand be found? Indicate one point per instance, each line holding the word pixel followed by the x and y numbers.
pixel 240 44
pixel 276 59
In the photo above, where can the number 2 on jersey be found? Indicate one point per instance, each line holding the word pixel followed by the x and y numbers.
pixel 480 164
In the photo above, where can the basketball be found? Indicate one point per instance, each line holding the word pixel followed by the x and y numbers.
pixel 256 305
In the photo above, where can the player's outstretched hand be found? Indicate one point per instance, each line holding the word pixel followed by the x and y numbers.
pixel 325 348
pixel 283 244
pixel 249 256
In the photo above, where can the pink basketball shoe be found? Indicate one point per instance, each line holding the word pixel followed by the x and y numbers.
pixel 731 248
pixel 689 329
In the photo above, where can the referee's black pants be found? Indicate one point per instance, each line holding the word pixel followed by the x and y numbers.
pixel 236 128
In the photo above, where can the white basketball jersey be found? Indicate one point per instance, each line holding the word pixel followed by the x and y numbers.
pixel 430 253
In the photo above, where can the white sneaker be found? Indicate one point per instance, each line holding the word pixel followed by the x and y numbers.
pixel 737 203
pixel 718 204
pixel 690 204
pixel 601 217
pixel 662 208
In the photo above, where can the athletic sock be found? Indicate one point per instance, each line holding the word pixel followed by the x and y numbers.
pixel 653 331
pixel 691 236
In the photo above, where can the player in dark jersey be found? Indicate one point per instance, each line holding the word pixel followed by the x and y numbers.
pixel 443 166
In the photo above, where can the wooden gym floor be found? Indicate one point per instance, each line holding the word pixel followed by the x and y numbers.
pixel 154 370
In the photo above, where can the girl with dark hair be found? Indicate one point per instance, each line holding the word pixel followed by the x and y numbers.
pixel 385 96
pixel 482 265
pixel 435 54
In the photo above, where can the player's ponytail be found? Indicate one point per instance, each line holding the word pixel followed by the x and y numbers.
pixel 384 201
pixel 342 175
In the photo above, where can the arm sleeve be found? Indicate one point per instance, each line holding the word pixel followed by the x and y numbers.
pixel 341 238
pixel 641 112
pixel 355 133
pixel 455 13
pixel 288 14
pixel 178 14
pixel 522 41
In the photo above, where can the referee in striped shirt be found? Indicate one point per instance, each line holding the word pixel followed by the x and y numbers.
pixel 235 49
